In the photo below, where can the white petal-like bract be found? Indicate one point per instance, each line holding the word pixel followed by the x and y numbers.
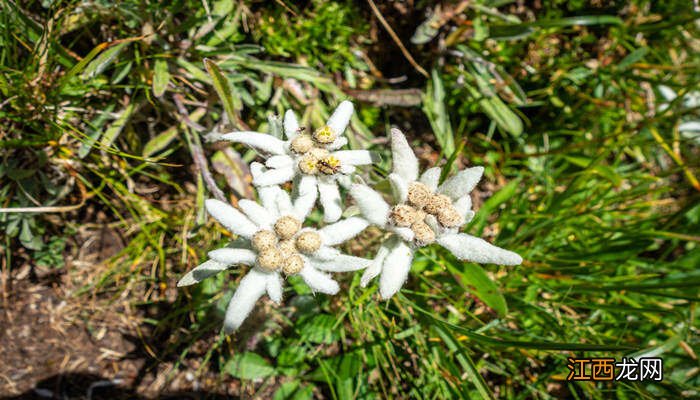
pixel 284 203
pixel 305 197
pixel 326 253
pixel 341 263
pixel 261 217
pixel 279 161
pixel 461 183
pixel 340 118
pixel 274 287
pixel 399 186
pixel 291 125
pixel 274 176
pixel 406 234
pixel 330 200
pixel 405 161
pixel 342 231
pixel 202 272
pixel 259 141
pixel 250 289
pixel 470 248
pixel 371 204
pixel 354 157
pixel 395 270
pixel 376 266
pixel 233 256
pixel 463 205
pixel 339 142
pixel 431 178
pixel 318 281
pixel 233 220
pixel 267 194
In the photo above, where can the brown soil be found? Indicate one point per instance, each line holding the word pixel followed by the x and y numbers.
pixel 59 342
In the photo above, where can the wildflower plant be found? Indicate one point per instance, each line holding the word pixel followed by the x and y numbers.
pixel 312 160
pixel 274 242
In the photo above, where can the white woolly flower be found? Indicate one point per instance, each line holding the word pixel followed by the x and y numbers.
pixel 689 125
pixel 312 159
pixel 273 241
pixel 422 213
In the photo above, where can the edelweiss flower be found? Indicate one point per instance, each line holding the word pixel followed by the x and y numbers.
pixel 273 241
pixel 311 158
pixel 421 214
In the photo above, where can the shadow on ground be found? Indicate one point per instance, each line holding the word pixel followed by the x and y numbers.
pixel 94 387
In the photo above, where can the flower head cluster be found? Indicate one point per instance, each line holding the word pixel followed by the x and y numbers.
pixel 420 214
pixel 273 241
pixel 314 160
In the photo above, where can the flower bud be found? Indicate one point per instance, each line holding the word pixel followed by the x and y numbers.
pixel 436 203
pixel 287 247
pixel 286 227
pixel 424 234
pixel 418 194
pixel 301 144
pixel 403 215
pixel 308 164
pixel 293 265
pixel 269 259
pixel 325 135
pixel 263 239
pixel 449 217
pixel 308 242
pixel 329 165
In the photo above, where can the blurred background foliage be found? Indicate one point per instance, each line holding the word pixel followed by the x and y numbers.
pixel 584 113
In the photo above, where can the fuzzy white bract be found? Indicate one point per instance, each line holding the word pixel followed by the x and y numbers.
pixel 311 159
pixel 420 214
pixel 273 241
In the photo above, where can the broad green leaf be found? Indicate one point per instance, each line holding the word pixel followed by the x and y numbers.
pixel 101 62
pixel 496 109
pixel 434 108
pixel 248 365
pixel 320 329
pixel 583 20
pixel 656 351
pixel 161 77
pixel 633 57
pixel 194 71
pixel 286 390
pixel 519 31
pixel 160 141
pixel 224 89
pixel 27 237
pixel 110 135
pixel 474 280
pixel 427 30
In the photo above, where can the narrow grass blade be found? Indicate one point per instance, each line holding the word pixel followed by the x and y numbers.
pixel 224 89
pixel 116 128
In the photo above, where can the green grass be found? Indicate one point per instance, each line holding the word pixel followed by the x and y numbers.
pixel 585 178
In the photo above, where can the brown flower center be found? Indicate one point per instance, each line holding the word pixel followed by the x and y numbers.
pixel 280 248
pixel 421 202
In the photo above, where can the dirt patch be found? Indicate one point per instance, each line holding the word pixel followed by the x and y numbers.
pixel 43 336
pixel 59 340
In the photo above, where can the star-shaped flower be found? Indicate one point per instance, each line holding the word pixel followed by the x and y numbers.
pixel 311 158
pixel 273 240
pixel 422 213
